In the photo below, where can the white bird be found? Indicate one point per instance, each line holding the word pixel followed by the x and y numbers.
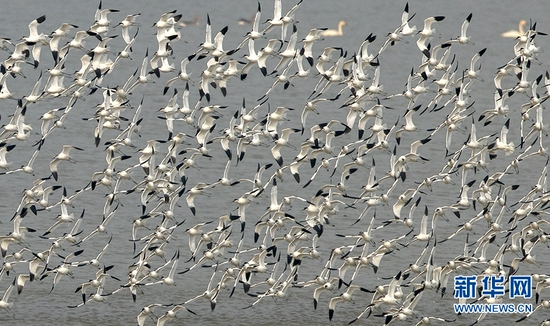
pixel 219 53
pixel 101 24
pixel 102 227
pixel 334 32
pixel 309 39
pixel 538 127
pixel 35 39
pixel 207 77
pixel 164 50
pixel 344 297
pixel 196 190
pixel 281 142
pixel 427 31
pixel 389 297
pixel 207 45
pixel 463 38
pixel 57 36
pixel 280 20
pixel 21 279
pixel 171 314
pixel 255 33
pixel 20 54
pixel 402 200
pixel 501 142
pixel 409 125
pixel 143 74
pixel 231 71
pixel 36 93
pixel 146 312
pixel 64 217
pixel 516 33
pixel 324 58
pixel 4 149
pixel 125 25
pixel 169 279
pixel 16 236
pixel 406 29
pixel 165 24
pixel 253 58
pixel 290 51
pixel 62 269
pixel 63 156
pixel 77 42
pixel 401 165
pixel 472 72
pixel 423 235
pixel 375 87
pixel 4 304
pixel 182 75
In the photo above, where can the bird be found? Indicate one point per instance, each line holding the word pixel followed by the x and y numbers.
pixel 255 33
pixel 281 20
pixel 4 164
pixel 63 156
pixel 143 77
pixel 289 52
pixel 56 37
pixel 334 32
pixel 169 279
pixel 36 40
pixel 281 142
pixel 427 31
pixel 147 312
pixel 125 25
pixel 516 33
pixel 308 222
pixel 344 297
pixel 21 279
pixel 463 38
pixel 182 75
pixel 193 192
pixel 409 125
pixel 62 269
pixel 171 314
pixel 4 304
pixel 102 227
pixel 194 22
pixel 501 142
pixel 472 72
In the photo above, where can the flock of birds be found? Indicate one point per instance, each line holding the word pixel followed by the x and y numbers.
pixel 362 169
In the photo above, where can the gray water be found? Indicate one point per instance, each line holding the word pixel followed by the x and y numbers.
pixel 37 305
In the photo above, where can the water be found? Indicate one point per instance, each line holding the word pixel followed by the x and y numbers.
pixel 37 305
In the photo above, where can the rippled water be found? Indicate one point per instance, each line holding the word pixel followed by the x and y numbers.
pixel 37 305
